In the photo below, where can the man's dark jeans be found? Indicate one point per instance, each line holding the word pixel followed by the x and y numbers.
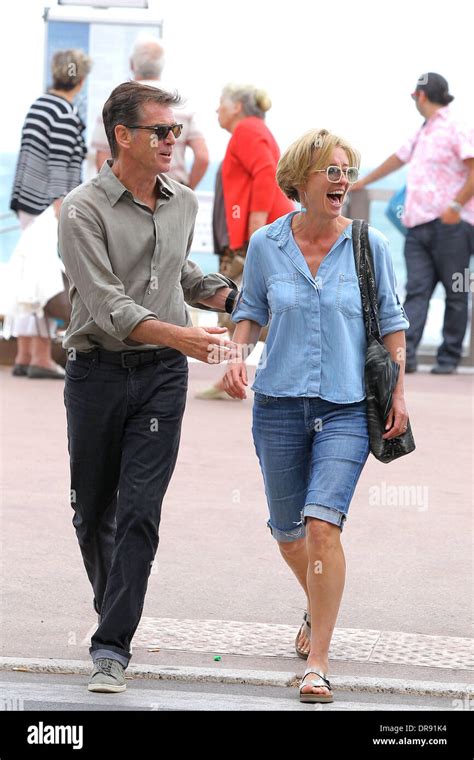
pixel 434 252
pixel 124 428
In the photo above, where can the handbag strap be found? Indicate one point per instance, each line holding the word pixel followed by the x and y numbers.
pixel 364 264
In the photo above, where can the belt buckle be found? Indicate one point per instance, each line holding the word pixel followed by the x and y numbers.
pixel 130 360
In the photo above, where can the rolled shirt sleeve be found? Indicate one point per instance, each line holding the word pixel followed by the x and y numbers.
pixel 198 286
pixel 391 312
pixel 84 253
pixel 464 142
pixel 252 302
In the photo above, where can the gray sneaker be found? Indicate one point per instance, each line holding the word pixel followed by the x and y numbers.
pixel 107 676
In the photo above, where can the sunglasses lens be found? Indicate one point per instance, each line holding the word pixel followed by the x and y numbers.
pixel 162 132
pixel 352 174
pixel 333 173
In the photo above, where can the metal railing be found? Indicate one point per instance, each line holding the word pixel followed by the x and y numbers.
pixel 358 208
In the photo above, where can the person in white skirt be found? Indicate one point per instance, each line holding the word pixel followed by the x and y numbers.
pixel 49 166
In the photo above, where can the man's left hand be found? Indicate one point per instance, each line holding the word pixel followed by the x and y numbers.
pixel 450 216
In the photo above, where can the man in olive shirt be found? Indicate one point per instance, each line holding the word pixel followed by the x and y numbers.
pixel 125 237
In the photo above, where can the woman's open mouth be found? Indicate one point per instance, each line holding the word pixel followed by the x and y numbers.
pixel 336 198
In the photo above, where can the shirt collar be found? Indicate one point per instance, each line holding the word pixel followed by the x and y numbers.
pixel 280 229
pixel 441 113
pixel 114 189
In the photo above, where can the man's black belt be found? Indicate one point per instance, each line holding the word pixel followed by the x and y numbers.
pixel 128 359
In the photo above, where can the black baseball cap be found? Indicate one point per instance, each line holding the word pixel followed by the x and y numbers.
pixel 435 87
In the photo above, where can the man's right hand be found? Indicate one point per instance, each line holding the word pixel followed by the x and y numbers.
pixel 204 343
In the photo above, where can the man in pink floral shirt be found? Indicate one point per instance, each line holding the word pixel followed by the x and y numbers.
pixel 439 216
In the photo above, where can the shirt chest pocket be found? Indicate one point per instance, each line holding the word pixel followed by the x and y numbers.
pixel 348 300
pixel 283 292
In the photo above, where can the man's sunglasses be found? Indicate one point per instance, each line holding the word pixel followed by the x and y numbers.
pixel 334 173
pixel 161 130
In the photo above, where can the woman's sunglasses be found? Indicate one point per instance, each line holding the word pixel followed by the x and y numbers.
pixel 161 130
pixel 334 173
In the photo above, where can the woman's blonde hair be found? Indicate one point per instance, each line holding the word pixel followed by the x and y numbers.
pixel 255 102
pixel 68 68
pixel 310 152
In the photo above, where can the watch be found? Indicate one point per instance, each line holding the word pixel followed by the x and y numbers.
pixel 456 206
pixel 230 300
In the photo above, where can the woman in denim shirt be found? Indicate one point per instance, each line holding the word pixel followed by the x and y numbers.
pixel 310 415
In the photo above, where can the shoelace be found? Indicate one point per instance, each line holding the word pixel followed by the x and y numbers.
pixel 105 665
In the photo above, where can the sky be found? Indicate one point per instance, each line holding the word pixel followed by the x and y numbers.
pixel 346 66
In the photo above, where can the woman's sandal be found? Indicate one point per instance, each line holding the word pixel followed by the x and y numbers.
pixel 307 625
pixel 310 696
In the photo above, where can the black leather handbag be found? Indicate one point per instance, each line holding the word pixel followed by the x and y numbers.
pixel 381 371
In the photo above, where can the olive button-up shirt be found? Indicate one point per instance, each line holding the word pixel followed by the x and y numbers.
pixel 126 264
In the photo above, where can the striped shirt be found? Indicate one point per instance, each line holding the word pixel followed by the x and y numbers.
pixel 51 154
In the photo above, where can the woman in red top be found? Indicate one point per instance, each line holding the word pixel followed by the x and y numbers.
pixel 252 197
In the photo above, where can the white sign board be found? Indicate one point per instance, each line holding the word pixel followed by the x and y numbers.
pixel 107 3
pixel 108 37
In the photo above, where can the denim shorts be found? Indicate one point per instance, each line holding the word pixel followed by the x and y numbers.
pixel 311 454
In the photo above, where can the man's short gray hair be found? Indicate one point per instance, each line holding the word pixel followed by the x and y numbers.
pixel 124 107
pixel 147 58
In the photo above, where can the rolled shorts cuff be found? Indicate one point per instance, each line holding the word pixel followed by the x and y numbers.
pixel 96 654
pixel 328 514
pixel 293 534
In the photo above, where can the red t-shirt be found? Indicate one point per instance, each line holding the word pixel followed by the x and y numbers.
pixel 248 178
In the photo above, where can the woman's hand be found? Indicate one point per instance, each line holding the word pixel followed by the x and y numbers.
pixel 397 420
pixel 235 379
pixel 244 339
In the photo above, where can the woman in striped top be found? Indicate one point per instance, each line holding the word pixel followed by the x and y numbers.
pixel 49 166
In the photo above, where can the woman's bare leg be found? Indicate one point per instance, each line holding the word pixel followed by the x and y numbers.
pixel 41 355
pixel 23 350
pixel 325 583
pixel 295 555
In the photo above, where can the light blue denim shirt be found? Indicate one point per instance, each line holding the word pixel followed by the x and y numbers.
pixel 316 342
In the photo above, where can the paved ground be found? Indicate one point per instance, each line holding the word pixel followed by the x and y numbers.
pixel 50 692
pixel 219 586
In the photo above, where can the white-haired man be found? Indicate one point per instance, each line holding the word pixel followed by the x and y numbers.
pixel 146 64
